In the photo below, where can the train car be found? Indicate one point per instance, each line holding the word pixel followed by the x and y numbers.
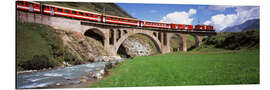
pixel 156 25
pixel 178 26
pixel 174 26
pixel 73 13
pixel 202 27
pixel 188 27
pixel 28 6
pixel 120 20
pixel 181 26
pixel 197 27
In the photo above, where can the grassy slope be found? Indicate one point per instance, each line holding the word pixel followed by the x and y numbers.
pixel 30 42
pixel 36 39
pixel 235 40
pixel 206 67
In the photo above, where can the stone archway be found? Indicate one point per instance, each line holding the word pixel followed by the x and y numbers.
pixel 178 41
pixel 151 36
pixel 198 39
pixel 95 33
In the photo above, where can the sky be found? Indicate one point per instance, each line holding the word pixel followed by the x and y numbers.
pixel 220 16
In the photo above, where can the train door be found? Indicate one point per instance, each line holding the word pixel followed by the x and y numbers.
pixel 31 8
pixel 41 8
pixel 141 23
pixel 99 18
pixel 52 10
pixel 138 23
pixel 103 19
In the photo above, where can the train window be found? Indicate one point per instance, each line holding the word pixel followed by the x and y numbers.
pixel 66 11
pixel 86 14
pixel 59 10
pixel 20 3
pixel 116 19
pixel 80 13
pixel 26 3
pixel 107 17
pixel 74 12
pixel 91 15
pixel 35 5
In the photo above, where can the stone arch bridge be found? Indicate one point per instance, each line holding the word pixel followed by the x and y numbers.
pixel 112 36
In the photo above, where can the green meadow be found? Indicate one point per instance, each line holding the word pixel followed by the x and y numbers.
pixel 198 67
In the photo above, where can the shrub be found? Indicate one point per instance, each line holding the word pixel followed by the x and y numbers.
pixel 235 40
pixel 37 62
pixel 108 66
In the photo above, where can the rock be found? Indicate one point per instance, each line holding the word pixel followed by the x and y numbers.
pixel 107 58
pixel 57 84
pixel 83 80
pixel 135 48
pixel 66 64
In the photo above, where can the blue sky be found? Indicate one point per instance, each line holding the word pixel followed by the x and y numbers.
pixel 219 16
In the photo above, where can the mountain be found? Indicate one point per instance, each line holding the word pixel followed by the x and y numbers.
pixel 253 24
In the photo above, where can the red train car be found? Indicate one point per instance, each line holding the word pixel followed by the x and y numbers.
pixel 156 25
pixel 189 27
pixel 178 26
pixel 120 20
pixel 28 6
pixel 68 12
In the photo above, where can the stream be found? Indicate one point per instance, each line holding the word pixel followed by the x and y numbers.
pixel 60 76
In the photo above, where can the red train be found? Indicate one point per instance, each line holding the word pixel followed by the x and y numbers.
pixel 92 16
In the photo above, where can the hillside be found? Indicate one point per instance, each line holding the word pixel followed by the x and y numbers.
pixel 253 24
pixel 249 39
pixel 110 8
pixel 41 46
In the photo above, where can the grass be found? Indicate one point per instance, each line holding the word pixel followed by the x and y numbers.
pixel 206 67
pixel 30 42
pixel 37 40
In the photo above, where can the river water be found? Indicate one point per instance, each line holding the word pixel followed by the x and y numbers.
pixel 66 75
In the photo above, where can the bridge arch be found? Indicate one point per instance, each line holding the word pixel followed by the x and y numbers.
pixel 151 36
pixel 180 42
pixel 198 39
pixel 95 33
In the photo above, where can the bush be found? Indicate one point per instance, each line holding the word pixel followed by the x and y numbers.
pixel 235 41
pixel 108 66
pixel 37 63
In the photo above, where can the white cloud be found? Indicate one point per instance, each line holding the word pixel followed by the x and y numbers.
pixel 221 21
pixel 207 22
pixel 179 17
pixel 192 11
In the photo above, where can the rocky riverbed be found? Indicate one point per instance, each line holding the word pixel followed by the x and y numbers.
pixel 73 76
